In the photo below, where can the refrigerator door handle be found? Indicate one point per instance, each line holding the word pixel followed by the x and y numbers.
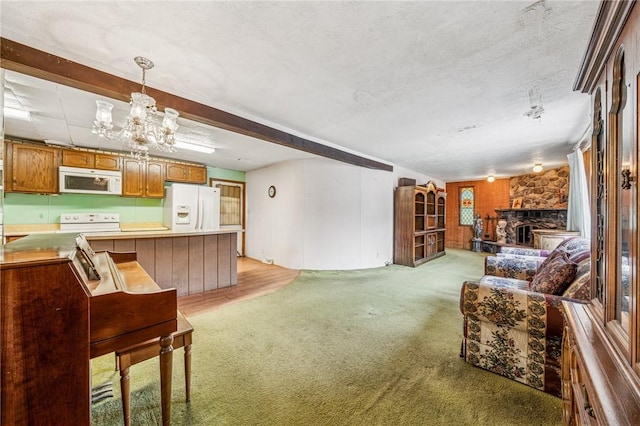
pixel 199 215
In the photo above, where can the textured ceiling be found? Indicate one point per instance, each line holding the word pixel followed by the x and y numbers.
pixel 452 89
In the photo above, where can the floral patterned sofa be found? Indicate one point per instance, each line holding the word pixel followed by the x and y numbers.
pixel 513 319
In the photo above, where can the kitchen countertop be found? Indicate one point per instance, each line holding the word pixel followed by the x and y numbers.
pixel 128 230
pixel 122 235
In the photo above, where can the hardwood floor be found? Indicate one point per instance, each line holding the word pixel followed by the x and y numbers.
pixel 254 278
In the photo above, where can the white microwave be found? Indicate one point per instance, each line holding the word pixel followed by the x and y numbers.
pixel 90 181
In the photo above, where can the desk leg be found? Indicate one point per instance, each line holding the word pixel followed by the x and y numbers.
pixel 124 390
pixel 166 366
pixel 187 371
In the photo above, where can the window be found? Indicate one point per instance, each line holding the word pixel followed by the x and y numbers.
pixel 467 203
pixel 230 204
pixel 232 207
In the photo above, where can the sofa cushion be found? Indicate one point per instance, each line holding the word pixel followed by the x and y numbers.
pixel 580 288
pixel 555 276
pixel 504 282
pixel 551 258
pixel 580 256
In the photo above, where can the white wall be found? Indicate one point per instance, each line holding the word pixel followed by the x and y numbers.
pixel 325 215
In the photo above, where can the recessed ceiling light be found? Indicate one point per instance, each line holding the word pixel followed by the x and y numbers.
pixel 490 178
pixel 16 114
pixel 537 168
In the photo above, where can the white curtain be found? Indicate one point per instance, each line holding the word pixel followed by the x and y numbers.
pixel 578 213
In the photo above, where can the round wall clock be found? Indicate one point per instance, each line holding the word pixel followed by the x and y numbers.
pixel 272 191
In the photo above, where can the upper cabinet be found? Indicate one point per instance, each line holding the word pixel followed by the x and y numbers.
pixel 142 179
pixel 178 172
pixel 31 168
pixel 90 160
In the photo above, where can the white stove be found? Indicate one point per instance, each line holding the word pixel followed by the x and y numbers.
pixel 89 222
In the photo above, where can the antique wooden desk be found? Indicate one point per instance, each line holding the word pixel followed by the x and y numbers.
pixel 61 305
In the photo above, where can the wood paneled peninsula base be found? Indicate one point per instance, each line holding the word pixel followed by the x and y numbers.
pixel 191 262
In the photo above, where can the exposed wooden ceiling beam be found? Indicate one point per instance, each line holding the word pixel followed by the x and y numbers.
pixel 37 63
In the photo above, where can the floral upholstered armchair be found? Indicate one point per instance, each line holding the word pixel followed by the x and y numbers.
pixel 513 320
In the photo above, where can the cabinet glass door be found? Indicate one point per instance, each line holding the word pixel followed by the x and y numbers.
pixel 441 202
pixel 600 201
pixel 419 203
pixel 625 189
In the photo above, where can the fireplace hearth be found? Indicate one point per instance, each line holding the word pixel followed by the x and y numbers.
pixel 520 223
pixel 524 237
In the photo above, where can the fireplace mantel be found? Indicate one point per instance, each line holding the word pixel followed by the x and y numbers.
pixel 530 210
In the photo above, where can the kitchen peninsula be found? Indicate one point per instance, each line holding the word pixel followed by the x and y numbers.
pixel 191 262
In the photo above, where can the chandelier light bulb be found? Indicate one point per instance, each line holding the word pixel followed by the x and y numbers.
pixel 170 120
pixel 103 112
pixel 537 168
pixel 139 104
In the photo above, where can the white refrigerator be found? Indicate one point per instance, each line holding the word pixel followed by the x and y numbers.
pixel 191 208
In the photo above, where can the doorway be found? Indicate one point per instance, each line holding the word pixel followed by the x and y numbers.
pixel 232 207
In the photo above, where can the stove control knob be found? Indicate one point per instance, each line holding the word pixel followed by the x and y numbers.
pixel 75 218
pixel 67 217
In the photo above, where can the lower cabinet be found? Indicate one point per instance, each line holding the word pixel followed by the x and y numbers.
pixel 599 387
pixel 190 264
pixel 427 246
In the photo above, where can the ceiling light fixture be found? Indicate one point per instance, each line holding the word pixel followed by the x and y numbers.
pixel 194 147
pixel 537 168
pixel 17 114
pixel 145 127
pixel 490 178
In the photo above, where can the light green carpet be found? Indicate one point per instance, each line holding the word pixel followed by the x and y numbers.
pixel 367 347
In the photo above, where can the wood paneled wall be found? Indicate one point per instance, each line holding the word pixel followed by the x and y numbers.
pixel 488 198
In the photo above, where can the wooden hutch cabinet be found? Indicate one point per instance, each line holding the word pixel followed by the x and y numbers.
pixel 419 224
pixel 601 347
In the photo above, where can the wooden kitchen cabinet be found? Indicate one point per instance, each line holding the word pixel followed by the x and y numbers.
pixel 197 174
pixel 142 179
pixel 186 173
pixel 107 161
pixel 72 158
pixel 31 168
pixel 154 179
pixel 91 160
pixel 132 178
pixel 177 172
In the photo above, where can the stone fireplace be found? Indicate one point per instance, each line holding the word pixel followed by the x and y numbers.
pixel 520 223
